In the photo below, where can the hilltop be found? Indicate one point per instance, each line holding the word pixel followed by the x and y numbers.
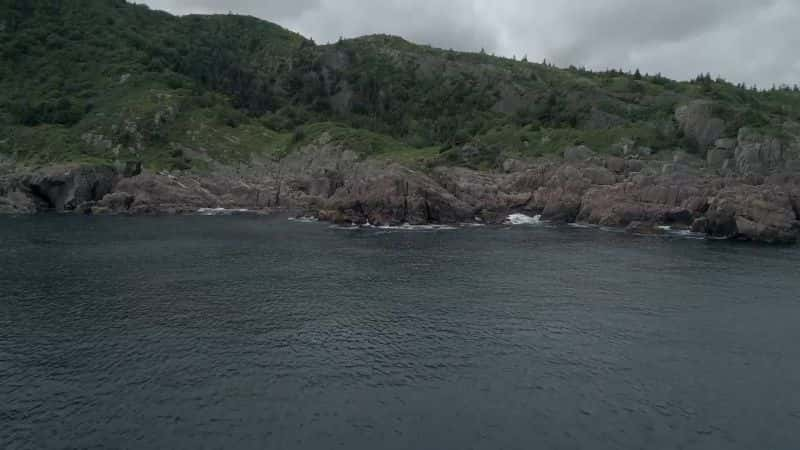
pixel 104 83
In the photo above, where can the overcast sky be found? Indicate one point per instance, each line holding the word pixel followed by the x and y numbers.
pixel 752 41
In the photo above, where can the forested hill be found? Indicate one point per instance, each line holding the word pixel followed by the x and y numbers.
pixel 105 80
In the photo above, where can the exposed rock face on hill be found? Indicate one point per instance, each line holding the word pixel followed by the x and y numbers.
pixel 698 123
pixel 757 154
pixel 335 184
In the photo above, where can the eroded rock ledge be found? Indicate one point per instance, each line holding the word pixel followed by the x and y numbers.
pixel 335 185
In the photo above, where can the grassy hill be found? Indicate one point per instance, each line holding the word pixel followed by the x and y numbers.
pixel 105 80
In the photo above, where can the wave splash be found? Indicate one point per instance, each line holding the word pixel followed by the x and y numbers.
pixel 404 227
pixel 522 219
pixel 222 211
pixel 304 219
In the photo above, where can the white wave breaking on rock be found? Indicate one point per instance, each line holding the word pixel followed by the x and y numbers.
pixel 405 227
pixel 222 211
pixel 304 219
pixel 522 219
pixel 409 227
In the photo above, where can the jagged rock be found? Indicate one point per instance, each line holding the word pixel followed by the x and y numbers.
pixel 700 225
pixel 333 216
pixel 514 165
pixel 726 144
pixel 392 194
pixel 761 213
pixel 343 188
pixel 698 123
pixel 63 188
pixel 627 147
pixel 634 165
pixel 757 154
pixel 560 204
pixel 115 202
pixel 131 169
pixel 560 198
pixel 16 202
pixel 646 199
pixel 529 180
pixel 646 228
pixel 722 152
pixel 481 190
pixel 154 193
pixel 616 164
pixel 578 153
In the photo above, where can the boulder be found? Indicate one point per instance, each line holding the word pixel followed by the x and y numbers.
pixel 718 159
pixel 700 225
pixel 726 144
pixel 114 202
pixel 616 164
pixel 634 165
pixel 578 153
pixel 762 213
pixel 16 202
pixel 514 165
pixel 644 228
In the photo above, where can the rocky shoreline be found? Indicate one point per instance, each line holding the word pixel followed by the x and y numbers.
pixel 334 184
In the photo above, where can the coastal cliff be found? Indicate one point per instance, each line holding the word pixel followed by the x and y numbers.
pixel 108 107
pixel 333 184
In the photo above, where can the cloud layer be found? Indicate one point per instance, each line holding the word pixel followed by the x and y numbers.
pixel 751 41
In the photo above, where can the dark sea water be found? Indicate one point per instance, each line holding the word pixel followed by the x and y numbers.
pixel 251 333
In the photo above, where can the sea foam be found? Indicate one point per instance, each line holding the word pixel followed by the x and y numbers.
pixel 221 211
pixel 522 219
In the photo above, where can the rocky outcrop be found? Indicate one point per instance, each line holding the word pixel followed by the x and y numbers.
pixel 487 194
pixel 560 197
pixel 763 213
pixel 578 153
pixel 59 188
pixel 663 200
pixel 16 202
pixel 114 203
pixel 697 122
pixel 757 154
pixel 155 193
pixel 395 195
pixel 340 186
pixel 719 157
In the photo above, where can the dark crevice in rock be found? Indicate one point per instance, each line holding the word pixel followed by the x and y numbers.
pixel 41 198
pixel 795 201
pixel 277 200
pixel 93 193
pixel 428 213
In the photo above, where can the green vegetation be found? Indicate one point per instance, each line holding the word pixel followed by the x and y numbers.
pixel 105 80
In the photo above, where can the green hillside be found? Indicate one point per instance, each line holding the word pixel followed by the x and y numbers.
pixel 104 80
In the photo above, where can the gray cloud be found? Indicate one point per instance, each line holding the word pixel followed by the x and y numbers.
pixel 752 41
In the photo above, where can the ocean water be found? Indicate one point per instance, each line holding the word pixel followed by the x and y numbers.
pixel 252 333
